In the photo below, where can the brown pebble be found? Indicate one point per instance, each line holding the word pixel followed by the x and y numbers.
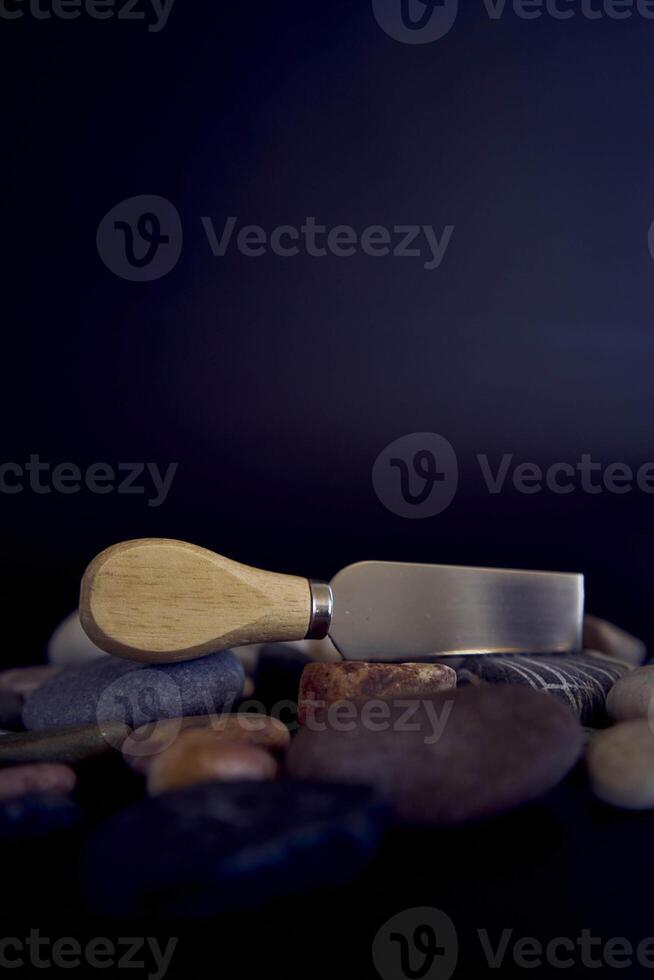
pixel 199 756
pixel 610 639
pixel 24 680
pixel 324 684
pixel 39 778
pixel 459 756
pixel 247 728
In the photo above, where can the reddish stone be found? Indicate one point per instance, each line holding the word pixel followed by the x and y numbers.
pixel 39 778
pixel 324 684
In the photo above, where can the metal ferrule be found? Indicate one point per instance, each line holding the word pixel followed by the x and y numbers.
pixel 322 607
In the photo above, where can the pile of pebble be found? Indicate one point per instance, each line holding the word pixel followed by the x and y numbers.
pixel 261 772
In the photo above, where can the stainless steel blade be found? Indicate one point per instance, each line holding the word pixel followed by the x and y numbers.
pixel 394 611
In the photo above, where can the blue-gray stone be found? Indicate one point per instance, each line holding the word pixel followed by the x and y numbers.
pixel 224 846
pixel 110 689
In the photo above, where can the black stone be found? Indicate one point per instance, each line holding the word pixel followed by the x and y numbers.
pixel 218 847
pixel 582 681
pixel 37 815
pixel 277 679
pixel 11 711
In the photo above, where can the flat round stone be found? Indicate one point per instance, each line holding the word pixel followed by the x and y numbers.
pixel 221 846
pixel 38 778
pixel 610 639
pixel 463 754
pixel 198 756
pixel 110 689
pixel 248 728
pixel 632 696
pixel 69 745
pixel 325 683
pixel 620 764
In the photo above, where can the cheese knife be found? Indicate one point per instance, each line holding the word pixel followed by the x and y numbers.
pixel 158 600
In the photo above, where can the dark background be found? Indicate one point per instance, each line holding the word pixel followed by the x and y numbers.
pixel 275 383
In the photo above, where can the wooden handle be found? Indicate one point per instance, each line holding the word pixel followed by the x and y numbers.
pixel 156 599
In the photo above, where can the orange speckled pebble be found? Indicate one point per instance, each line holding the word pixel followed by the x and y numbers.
pixel 201 757
pixel 145 743
pixel 324 684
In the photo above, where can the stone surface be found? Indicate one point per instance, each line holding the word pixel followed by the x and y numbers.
pixel 198 756
pixel 461 755
pixel 581 681
pixel 39 815
pixel 324 684
pixel 144 744
pixel 223 846
pixel 620 764
pixel 69 644
pixel 11 710
pixel 632 696
pixel 611 640
pixel 110 689
pixel 24 680
pixel 69 745
pixel 38 778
